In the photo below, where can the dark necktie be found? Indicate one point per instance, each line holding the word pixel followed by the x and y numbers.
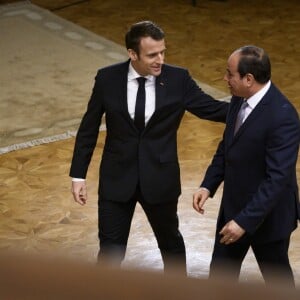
pixel 240 117
pixel 139 114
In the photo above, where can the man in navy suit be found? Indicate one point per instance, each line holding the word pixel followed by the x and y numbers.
pixel 257 162
pixel 139 160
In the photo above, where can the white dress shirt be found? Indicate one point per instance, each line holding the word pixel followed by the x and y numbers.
pixel 255 99
pixel 132 87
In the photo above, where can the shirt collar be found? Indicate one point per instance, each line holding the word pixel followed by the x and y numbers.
pixel 255 99
pixel 133 74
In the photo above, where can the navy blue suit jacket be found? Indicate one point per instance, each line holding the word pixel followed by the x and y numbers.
pixel 129 158
pixel 258 167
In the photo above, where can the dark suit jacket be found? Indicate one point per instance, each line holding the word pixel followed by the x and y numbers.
pixel 150 158
pixel 258 166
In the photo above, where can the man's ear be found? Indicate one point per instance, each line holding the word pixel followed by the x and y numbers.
pixel 249 79
pixel 132 54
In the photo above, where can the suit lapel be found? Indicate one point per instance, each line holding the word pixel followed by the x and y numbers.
pixel 160 90
pixel 160 94
pixel 257 111
pixel 233 116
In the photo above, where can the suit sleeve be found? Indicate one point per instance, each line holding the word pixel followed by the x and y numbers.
pixel 87 134
pixel 203 105
pixel 281 154
pixel 215 172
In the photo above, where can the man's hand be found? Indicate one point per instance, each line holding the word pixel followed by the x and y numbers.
pixel 231 232
pixel 79 192
pixel 199 199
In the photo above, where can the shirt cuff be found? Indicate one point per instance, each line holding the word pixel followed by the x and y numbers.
pixel 77 179
pixel 204 188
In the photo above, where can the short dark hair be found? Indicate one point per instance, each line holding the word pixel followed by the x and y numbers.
pixel 254 60
pixel 140 30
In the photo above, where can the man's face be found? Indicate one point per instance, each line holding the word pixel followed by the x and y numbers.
pixel 150 58
pixel 236 84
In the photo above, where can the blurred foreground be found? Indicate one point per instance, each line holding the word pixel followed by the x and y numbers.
pixel 29 277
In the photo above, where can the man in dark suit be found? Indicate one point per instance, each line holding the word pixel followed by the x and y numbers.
pixel 139 161
pixel 257 162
